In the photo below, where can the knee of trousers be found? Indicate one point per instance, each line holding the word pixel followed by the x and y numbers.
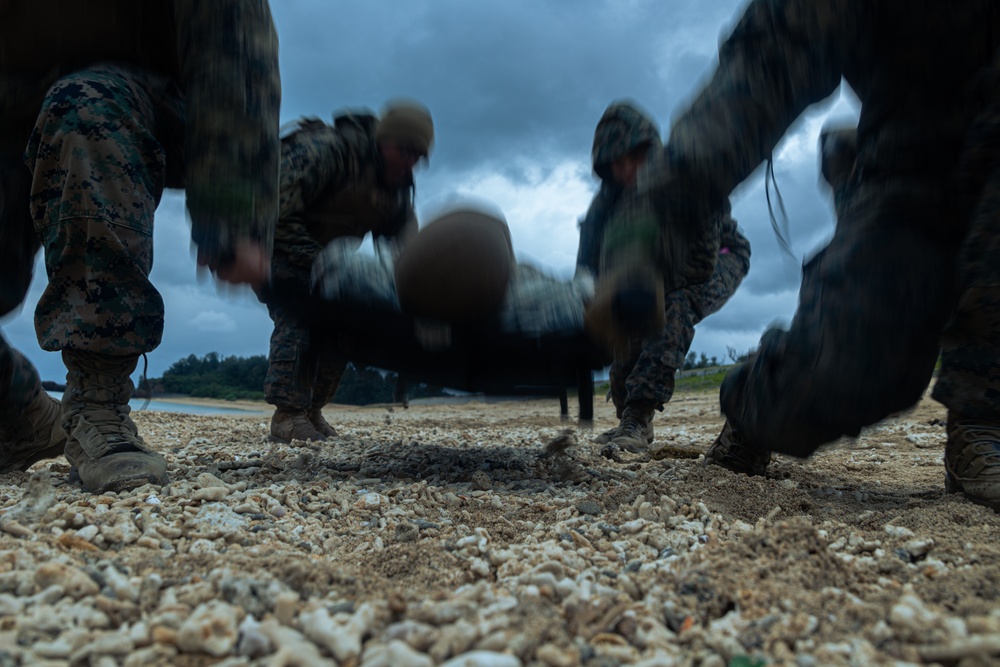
pixel 94 150
pixel 795 394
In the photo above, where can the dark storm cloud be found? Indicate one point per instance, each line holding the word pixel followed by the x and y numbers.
pixel 508 82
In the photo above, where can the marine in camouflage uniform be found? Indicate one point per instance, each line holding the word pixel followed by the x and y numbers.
pixel 347 179
pixel 911 268
pixel 642 373
pixel 121 100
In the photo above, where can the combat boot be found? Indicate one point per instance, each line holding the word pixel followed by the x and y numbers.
pixel 289 424
pixel 30 420
pixel 635 433
pixel 319 422
pixel 607 436
pixel 329 371
pixel 731 452
pixel 972 460
pixel 104 446
pixel 612 433
pixel 34 433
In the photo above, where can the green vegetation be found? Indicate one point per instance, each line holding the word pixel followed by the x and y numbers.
pixel 700 373
pixel 710 381
pixel 238 378
pixel 212 376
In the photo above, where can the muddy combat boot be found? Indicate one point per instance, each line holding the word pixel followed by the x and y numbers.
pixel 104 446
pixel 319 422
pixel 730 452
pixel 972 460
pixel 289 424
pixel 617 394
pixel 607 436
pixel 616 432
pixel 328 374
pixel 30 420
pixel 30 433
pixel 635 433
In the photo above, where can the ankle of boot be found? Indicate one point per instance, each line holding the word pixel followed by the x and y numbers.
pixel 642 410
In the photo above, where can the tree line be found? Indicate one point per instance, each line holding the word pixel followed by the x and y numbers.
pixel 694 361
pixel 242 378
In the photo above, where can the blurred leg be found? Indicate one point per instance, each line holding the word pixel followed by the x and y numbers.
pixel 864 341
pixel 969 382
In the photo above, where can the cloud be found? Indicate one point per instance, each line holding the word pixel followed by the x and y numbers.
pixel 213 322
pixel 541 208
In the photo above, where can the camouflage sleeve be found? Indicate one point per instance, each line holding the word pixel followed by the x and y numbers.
pixel 313 160
pixel 396 242
pixel 731 239
pixel 229 71
pixel 295 250
pixel 588 252
pixel 782 56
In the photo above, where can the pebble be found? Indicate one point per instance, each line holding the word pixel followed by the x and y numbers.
pixel 919 548
pixel 483 659
pixel 395 654
pixel 73 581
pixel 211 628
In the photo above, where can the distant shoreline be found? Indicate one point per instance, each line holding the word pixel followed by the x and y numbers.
pixel 253 406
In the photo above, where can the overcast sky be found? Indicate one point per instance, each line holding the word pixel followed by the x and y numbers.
pixel 516 88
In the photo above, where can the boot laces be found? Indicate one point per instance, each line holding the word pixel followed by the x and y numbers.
pixel 98 404
pixel 982 439
pixel 633 427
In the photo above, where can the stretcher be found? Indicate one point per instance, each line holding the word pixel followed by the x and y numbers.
pixel 535 345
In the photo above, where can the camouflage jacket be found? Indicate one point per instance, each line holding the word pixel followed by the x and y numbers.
pixel 914 64
pixel 330 188
pixel 224 56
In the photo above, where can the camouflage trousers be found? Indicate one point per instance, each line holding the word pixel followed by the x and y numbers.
pixel 106 142
pixel 300 375
pixel 644 373
pixel 872 308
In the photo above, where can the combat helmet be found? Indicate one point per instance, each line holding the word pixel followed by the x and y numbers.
pixel 408 123
pixel 623 128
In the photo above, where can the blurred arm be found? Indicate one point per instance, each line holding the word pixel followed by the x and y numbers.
pixel 229 71
pixel 782 56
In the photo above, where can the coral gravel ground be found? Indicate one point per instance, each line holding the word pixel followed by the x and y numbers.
pixel 484 533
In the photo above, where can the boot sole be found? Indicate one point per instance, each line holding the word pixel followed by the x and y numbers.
pixel 282 441
pixel 52 452
pixel 120 485
pixel 952 485
pixel 736 466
